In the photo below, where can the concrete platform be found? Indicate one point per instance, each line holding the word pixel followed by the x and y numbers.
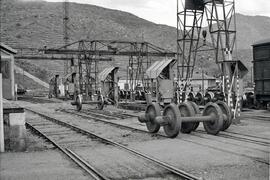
pixel 11 107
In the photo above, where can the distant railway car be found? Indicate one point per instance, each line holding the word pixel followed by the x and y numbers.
pixel 261 57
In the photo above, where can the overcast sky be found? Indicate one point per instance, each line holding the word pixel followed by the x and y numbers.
pixel 164 11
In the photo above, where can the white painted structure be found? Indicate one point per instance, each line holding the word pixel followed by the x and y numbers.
pixel 2 143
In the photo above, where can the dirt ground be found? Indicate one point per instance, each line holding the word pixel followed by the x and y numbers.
pixel 38 165
pixel 210 157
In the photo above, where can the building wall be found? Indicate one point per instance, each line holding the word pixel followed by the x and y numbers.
pixel 121 83
pixel 197 84
pixel 7 69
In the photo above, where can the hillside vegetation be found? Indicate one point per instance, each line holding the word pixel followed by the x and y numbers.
pixel 40 23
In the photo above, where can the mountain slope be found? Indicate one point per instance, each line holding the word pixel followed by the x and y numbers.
pixel 40 23
pixel 251 29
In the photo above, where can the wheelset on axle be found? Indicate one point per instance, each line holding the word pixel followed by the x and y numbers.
pixel 154 120
pixel 79 102
pixel 186 117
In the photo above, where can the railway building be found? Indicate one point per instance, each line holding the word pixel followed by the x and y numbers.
pixel 202 81
pixel 7 70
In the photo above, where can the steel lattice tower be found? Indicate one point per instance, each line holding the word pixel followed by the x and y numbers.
pixel 222 27
pixel 189 23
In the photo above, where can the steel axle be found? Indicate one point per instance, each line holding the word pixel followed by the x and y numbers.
pixel 185 117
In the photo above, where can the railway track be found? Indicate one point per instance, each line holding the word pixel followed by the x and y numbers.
pixel 242 137
pixel 72 155
pixel 260 118
pixel 107 114
pixel 248 135
pixel 35 100
pixel 232 135
pixel 50 128
pixel 88 116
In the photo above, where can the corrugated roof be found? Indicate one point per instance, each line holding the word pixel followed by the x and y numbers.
pixel 103 74
pixel 243 70
pixel 156 68
pixel 7 48
pixel 262 42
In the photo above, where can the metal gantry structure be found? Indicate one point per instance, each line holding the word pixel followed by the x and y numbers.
pixel 36 54
pixel 89 52
pixel 220 17
pixel 189 23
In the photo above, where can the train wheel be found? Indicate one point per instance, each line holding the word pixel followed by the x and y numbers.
pixel 186 110
pixel 152 111
pixel 226 110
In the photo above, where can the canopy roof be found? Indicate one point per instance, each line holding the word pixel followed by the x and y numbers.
pixel 157 67
pixel 103 74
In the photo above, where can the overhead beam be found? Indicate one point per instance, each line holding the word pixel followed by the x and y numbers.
pixel 42 58
pixel 108 53
pixel 98 59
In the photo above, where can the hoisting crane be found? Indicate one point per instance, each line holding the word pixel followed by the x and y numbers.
pixel 220 16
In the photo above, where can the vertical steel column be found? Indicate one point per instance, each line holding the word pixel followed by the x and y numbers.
pixel 131 72
pixel 80 69
pixel 2 143
pixel 65 31
pixel 149 62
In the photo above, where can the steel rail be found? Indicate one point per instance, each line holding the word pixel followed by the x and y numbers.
pixel 199 131
pixel 164 165
pixel 87 116
pixel 228 136
pixel 259 118
pixel 104 113
pixel 73 156
pixel 109 122
pixel 160 135
pixel 248 135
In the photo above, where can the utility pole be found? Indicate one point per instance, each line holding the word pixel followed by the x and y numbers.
pixel 65 30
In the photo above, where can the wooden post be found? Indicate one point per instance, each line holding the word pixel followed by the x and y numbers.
pixel 2 144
